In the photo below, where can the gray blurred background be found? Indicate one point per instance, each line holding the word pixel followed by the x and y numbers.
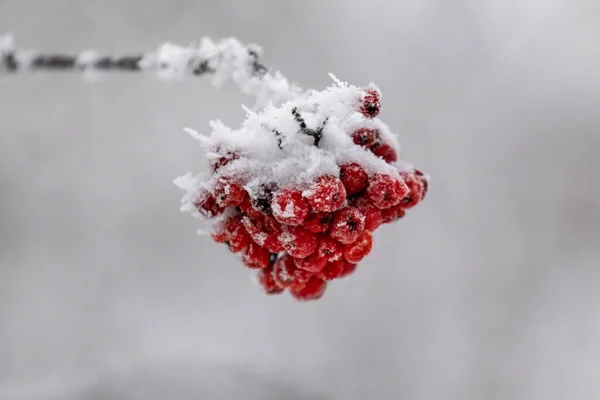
pixel 488 290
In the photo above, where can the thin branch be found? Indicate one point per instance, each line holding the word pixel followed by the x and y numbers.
pixel 224 60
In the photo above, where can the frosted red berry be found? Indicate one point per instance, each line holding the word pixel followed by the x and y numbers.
pixel 312 263
pixel 332 270
pixel 389 215
pixel 256 257
pixel 373 218
pixel 237 236
pixel 312 290
pixel 355 252
pixel 207 206
pixel 289 207
pixel 347 225
pixel 385 191
pixel 287 275
pixel 326 193
pixel 354 178
pixel 349 268
pixel 298 241
pixel 415 194
pixel 247 208
pixel 329 248
pixel 386 152
pixel 267 281
pixel 366 137
pixel 424 180
pixel 228 192
pixel 370 105
pixel 318 222
pixel 219 234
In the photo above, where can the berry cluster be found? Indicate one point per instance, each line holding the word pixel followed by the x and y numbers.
pixel 300 204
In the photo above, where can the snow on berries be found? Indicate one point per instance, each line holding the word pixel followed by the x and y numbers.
pixel 299 189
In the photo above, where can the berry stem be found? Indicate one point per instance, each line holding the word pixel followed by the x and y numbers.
pixel 316 134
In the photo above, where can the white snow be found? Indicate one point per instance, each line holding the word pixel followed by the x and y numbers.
pixel 271 147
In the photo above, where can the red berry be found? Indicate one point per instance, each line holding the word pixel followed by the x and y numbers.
pixel 297 241
pixel 248 209
pixel 358 250
pixel 384 191
pixel 424 180
pixel 348 224
pixel 207 205
pixel 237 236
pixel 389 215
pixel 271 224
pixel 327 194
pixel 354 178
pixel 415 193
pixel 318 222
pixel 256 257
pixel 332 270
pixel 287 275
pixel 272 242
pixel 386 152
pixel 289 207
pixel 369 104
pixel 373 218
pixel 349 268
pixel 266 280
pixel 366 137
pixel 219 233
pixel 229 193
pixel 312 263
pixel 312 290
pixel 255 228
pixel 329 248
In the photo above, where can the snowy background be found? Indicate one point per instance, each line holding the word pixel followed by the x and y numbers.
pixel 488 290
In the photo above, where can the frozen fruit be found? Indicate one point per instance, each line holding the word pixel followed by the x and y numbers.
pixel 289 207
pixel 369 104
pixel 386 152
pixel 355 252
pixel 267 281
pixel 228 192
pixel 207 205
pixel 312 263
pixel 347 225
pixel 312 290
pixel 354 178
pixel 327 194
pixel 256 257
pixel 298 241
pixel 373 217
pixel 329 248
pixel 385 191
pixel 287 275
pixel 332 270
pixel 318 222
pixel 366 137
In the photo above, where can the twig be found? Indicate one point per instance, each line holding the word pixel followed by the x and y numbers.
pixel 224 60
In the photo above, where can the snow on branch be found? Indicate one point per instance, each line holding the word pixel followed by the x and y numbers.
pixel 227 59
